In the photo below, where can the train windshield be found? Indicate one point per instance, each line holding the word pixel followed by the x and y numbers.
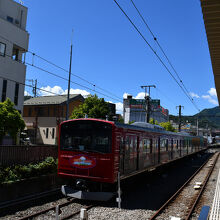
pixel 86 136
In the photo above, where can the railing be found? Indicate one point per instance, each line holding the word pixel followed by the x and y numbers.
pixel 13 155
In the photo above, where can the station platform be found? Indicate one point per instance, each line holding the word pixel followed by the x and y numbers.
pixel 215 210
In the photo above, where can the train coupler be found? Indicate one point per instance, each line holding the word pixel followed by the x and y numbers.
pixel 79 194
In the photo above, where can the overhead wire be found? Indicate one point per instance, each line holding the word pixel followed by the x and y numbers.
pixel 187 95
pixel 156 40
pixel 63 78
pixel 61 68
pixel 79 77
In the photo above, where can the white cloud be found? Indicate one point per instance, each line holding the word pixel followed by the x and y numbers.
pixel 210 99
pixel 140 95
pixel 194 95
pixel 212 92
pixel 57 90
pixel 77 91
pixel 27 93
pixel 125 95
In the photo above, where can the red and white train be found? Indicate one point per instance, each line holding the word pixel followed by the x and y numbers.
pixel 93 151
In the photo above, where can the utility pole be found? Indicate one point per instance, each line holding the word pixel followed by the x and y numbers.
pixel 180 106
pixel 35 88
pixel 197 126
pixel 68 95
pixel 147 98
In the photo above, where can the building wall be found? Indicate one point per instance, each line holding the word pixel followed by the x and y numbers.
pixel 43 125
pixel 136 112
pixel 14 36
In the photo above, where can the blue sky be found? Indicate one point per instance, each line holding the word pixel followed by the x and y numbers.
pixel 108 52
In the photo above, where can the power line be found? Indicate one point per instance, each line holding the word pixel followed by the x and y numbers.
pixel 61 68
pixel 63 78
pixel 24 84
pixel 191 100
pixel 155 38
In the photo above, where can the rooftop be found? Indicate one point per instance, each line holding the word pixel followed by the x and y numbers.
pixel 52 100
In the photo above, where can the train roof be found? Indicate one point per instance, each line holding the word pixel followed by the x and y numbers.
pixel 141 127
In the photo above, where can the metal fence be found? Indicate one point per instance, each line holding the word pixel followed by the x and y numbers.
pixel 13 155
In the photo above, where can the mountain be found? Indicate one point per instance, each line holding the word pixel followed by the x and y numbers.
pixel 210 116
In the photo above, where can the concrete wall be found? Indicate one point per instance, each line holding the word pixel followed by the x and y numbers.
pixel 14 36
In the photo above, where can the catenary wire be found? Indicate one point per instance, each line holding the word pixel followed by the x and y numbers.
pixel 79 77
pixel 191 100
pixel 98 87
pixel 156 40
pixel 63 78
pixel 31 86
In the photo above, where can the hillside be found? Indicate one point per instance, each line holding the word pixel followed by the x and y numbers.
pixel 210 116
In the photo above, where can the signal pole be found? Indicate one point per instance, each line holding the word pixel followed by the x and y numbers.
pixel 147 98
pixel 68 94
pixel 180 106
pixel 35 88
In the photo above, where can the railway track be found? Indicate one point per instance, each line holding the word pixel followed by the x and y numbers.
pixel 187 204
pixel 62 213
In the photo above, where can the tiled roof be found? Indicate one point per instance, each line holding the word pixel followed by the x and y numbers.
pixel 52 100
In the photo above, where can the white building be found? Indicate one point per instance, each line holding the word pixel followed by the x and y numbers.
pixel 134 110
pixel 13 44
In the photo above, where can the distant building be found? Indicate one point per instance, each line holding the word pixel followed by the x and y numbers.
pixel 13 44
pixel 42 115
pixel 135 110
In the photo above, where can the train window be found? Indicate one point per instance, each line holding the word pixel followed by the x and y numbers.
pixel 86 136
pixel 127 143
pixel 163 145
pixel 146 146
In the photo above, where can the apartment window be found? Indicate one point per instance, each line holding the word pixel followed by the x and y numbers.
pixel 10 19
pixel 16 93
pixel 4 90
pixel 47 132
pixel 2 49
pixel 53 133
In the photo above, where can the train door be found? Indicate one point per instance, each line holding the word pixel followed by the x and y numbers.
pixel 158 150
pixel 171 149
pixel 137 150
pixel 122 155
pixel 126 155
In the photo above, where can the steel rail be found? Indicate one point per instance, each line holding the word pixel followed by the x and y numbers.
pixel 45 210
pixel 76 212
pixel 180 189
pixel 202 189
pixel 19 201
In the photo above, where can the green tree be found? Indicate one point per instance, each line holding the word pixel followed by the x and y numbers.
pixel 152 121
pixel 93 107
pixel 167 126
pixel 11 121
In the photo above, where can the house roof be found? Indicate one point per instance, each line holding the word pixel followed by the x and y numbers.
pixel 52 100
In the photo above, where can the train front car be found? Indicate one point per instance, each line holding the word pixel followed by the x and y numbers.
pixel 86 158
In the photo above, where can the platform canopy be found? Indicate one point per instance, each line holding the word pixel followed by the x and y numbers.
pixel 211 16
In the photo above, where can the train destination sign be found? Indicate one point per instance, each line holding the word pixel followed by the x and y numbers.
pixel 82 162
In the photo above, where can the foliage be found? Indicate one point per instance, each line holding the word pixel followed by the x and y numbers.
pixel 121 120
pixel 209 116
pixel 11 121
pixel 152 121
pixel 93 107
pixel 131 122
pixel 167 125
pixel 18 172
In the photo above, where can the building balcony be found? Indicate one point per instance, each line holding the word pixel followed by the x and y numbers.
pixel 14 34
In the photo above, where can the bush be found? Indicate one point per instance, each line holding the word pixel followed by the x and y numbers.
pixel 18 172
